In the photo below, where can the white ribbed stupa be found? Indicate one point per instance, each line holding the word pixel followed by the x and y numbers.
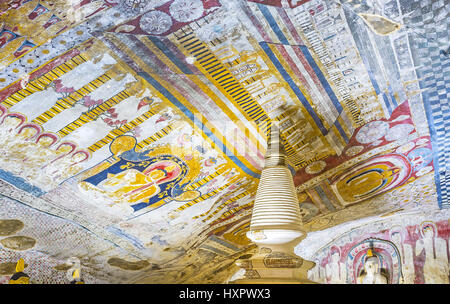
pixel 276 225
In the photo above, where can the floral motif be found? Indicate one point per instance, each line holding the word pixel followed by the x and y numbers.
pixel 144 102
pixel 163 117
pixel 60 88
pixel 210 161
pixel 315 167
pixel 110 118
pixel 137 6
pixel 155 22
pixel 186 10
pixel 89 102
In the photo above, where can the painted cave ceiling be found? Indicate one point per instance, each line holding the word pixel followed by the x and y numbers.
pixel 133 132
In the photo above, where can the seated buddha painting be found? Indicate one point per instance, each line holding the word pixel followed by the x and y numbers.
pixel 141 179
pixel 375 176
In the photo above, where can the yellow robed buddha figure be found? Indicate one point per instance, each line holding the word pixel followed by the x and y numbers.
pixel 74 272
pixel 134 186
pixel 366 182
pixel 19 277
pixel 140 178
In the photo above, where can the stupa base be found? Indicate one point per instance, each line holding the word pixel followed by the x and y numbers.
pixel 274 267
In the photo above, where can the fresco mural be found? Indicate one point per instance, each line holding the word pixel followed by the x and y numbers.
pixel 386 253
pixel 44 20
pixel 139 179
pixel 396 133
pixel 164 17
pixel 28 234
pixel 409 254
pixel 146 121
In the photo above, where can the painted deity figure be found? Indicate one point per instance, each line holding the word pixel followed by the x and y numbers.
pixel 435 267
pixel 371 273
pixel 322 275
pixel 406 255
pixel 316 274
pixel 335 270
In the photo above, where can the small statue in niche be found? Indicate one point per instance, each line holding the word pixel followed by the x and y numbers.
pixel 74 272
pixel 19 277
pixel 372 271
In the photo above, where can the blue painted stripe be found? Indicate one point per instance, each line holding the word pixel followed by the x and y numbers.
pixel 434 145
pixel 372 77
pixel 20 183
pixel 394 101
pixel 324 199
pixel 364 46
pixel 386 102
pixel 322 78
pixel 340 58
pixel 130 238
pixel 341 131
pixel 273 24
pixel 222 242
pixel 166 51
pixel 192 117
pixel 293 86
pixel 215 250
pixel 391 94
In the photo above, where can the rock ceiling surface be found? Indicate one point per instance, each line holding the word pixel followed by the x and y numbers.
pixel 133 132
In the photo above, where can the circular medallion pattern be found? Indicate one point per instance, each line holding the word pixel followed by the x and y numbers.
pixel 186 10
pixel 315 167
pixel 155 22
pixel 398 132
pixel 135 6
pixel 372 131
